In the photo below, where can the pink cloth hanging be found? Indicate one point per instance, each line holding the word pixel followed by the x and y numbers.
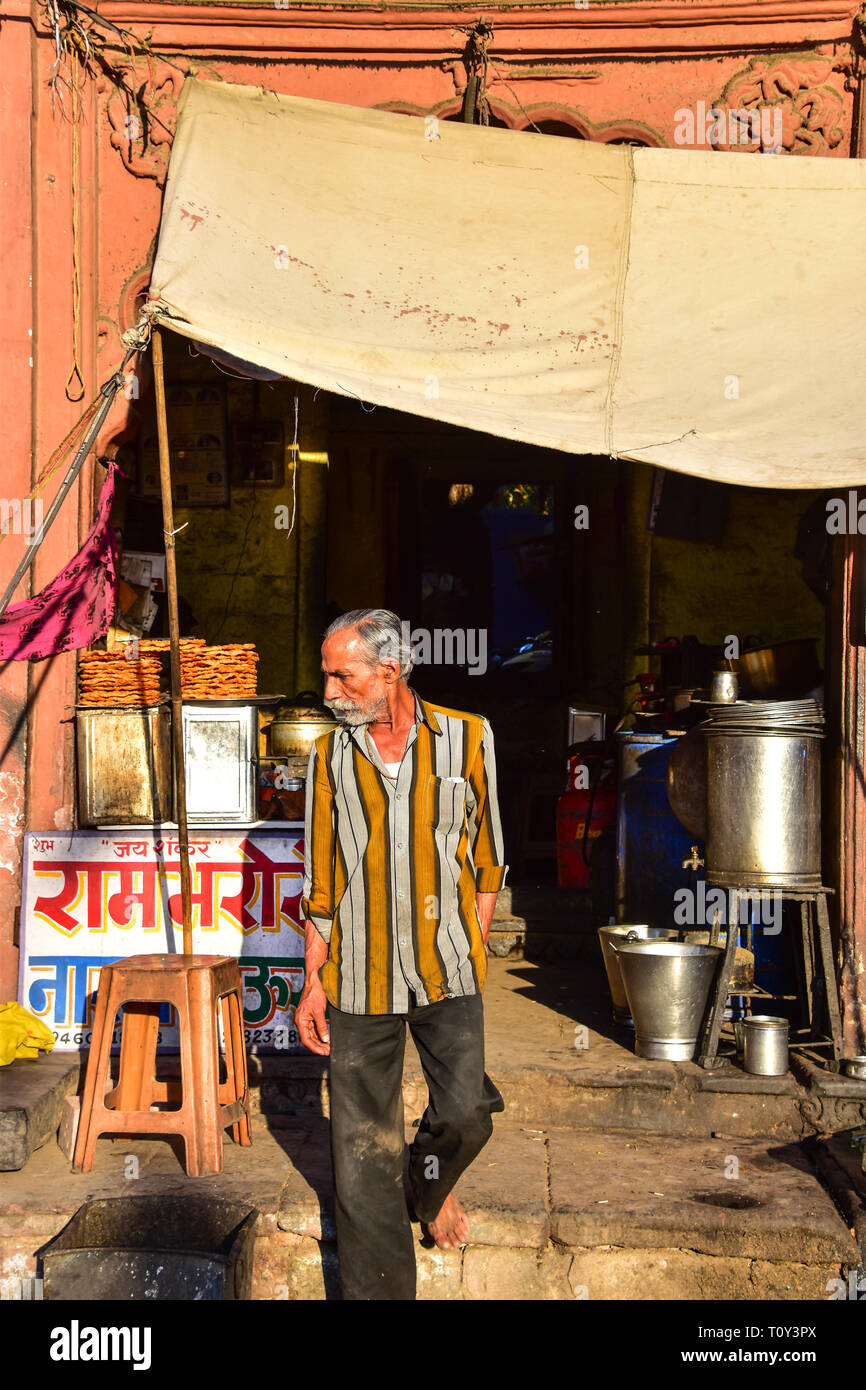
pixel 77 606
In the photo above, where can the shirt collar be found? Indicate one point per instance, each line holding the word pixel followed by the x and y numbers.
pixel 423 715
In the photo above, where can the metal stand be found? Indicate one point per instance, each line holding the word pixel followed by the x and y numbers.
pixel 819 973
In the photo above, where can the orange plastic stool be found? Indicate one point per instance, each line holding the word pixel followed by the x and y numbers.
pixel 197 986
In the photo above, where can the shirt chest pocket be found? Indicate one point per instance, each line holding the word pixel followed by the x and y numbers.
pixel 445 804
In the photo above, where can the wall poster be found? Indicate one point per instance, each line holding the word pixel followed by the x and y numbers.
pixel 197 443
pixel 92 896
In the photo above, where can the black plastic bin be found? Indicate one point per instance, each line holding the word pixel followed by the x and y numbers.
pixel 153 1248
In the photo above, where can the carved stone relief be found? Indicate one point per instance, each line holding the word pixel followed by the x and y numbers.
pixel 142 112
pixel 830 1114
pixel 787 103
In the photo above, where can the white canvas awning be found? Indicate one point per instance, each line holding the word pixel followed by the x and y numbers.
pixel 695 310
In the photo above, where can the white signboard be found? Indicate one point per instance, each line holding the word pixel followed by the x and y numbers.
pixel 92 896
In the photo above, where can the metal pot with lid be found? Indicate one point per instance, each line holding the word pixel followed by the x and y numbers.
pixel 297 724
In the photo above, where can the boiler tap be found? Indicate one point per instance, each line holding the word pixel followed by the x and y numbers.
pixel 693 863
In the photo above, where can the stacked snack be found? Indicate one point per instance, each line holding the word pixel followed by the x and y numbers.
pixel 219 673
pixel 162 644
pixel 111 678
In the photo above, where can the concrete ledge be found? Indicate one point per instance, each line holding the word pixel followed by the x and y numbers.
pixel 735 1081
pixel 31 1104
pixel 828 1083
pixel 739 1198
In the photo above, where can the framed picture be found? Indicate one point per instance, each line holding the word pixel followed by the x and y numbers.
pixel 258 453
pixel 197 441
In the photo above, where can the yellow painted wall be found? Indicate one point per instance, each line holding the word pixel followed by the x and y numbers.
pixel 750 582
pixel 245 579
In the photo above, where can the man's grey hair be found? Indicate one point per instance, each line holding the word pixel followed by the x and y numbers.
pixel 383 636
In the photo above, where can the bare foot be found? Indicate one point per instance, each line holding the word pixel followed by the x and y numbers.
pixel 451 1227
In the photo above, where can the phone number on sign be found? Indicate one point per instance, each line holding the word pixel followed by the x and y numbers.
pixel 81 1037
pixel 278 1038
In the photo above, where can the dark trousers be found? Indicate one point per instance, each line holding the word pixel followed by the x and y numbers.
pixel 374 1237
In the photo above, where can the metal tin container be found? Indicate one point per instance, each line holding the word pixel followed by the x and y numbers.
pixel 765 1045
pixel 296 726
pixel 220 749
pixel 786 669
pixel 189 1248
pixel 724 687
pixel 624 932
pixel 764 809
pixel 667 985
pixel 855 1067
pixel 124 765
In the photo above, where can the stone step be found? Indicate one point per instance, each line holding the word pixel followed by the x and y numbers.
pixel 543 902
pixel 31 1104
pixel 555 1214
pixel 544 922
pixel 678 1219
pixel 677 1099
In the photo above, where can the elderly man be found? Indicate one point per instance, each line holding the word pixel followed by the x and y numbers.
pixel 403 863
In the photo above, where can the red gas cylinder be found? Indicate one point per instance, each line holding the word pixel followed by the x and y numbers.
pixel 583 813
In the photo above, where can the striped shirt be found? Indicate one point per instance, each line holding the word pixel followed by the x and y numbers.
pixel 392 864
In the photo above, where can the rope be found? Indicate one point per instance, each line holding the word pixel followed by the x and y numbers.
pixel 137 338
pixel 476 107
pixel 76 243
pixel 511 90
pixel 295 465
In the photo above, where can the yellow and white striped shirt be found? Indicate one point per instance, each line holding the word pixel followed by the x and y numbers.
pixel 392 864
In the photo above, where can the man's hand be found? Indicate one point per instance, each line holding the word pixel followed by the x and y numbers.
pixel 310 1013
pixel 484 906
pixel 310 1019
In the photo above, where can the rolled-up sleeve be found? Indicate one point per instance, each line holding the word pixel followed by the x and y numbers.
pixel 485 826
pixel 317 903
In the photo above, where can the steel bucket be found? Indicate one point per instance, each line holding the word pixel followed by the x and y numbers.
pixel 625 932
pixel 667 985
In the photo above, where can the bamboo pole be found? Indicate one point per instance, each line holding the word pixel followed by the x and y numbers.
pixel 174 642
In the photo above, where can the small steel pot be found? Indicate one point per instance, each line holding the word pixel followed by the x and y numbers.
pixel 855 1067
pixel 724 687
pixel 765 1045
pixel 296 726
pixel 783 671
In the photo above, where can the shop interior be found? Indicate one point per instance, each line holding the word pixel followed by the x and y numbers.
pixel 572 600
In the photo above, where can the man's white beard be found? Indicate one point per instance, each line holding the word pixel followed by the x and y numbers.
pixel 349 713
